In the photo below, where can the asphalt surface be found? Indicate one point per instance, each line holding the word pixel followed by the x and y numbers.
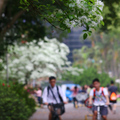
pixel 81 113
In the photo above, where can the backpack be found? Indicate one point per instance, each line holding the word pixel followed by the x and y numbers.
pixel 113 96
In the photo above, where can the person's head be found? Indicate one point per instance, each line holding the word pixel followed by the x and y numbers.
pixel 96 83
pixel 39 88
pixel 108 86
pixel 75 87
pixel 91 86
pixel 52 81
pixel 85 87
pixel 68 88
pixel 112 82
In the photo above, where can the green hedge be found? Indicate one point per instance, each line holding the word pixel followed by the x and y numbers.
pixel 15 103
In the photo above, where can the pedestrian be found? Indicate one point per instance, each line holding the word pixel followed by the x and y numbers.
pixel 75 91
pixel 39 95
pixel 53 95
pixel 100 96
pixel 113 96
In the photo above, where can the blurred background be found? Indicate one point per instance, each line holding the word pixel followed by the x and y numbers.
pixel 31 50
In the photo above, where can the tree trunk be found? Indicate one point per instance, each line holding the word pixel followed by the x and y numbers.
pixel 2 6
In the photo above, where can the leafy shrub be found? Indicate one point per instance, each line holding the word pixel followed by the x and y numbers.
pixel 19 89
pixel 15 105
pixel 87 77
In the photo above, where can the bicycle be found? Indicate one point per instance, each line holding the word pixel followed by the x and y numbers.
pixel 56 112
pixel 99 117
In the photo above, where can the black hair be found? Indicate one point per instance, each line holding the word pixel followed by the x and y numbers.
pixel 96 80
pixel 68 88
pixel 108 86
pixel 51 78
pixel 76 87
pixel 112 82
pixel 91 86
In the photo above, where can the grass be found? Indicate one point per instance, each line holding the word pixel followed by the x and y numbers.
pixel 118 99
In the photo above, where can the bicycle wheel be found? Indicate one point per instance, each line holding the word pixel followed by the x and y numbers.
pixel 55 118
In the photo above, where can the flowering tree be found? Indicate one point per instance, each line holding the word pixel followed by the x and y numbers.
pixel 31 61
pixel 68 14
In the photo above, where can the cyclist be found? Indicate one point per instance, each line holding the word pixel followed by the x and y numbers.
pixel 99 97
pixel 52 95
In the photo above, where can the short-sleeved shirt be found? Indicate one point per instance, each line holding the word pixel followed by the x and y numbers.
pixel 39 93
pixel 99 97
pixel 112 89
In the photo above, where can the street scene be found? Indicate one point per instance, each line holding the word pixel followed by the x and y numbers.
pixel 59 59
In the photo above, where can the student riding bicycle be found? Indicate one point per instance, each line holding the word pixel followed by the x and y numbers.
pixel 54 98
pixel 99 97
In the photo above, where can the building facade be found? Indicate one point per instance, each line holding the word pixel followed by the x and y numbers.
pixel 75 41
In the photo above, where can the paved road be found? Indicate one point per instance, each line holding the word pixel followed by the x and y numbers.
pixel 72 114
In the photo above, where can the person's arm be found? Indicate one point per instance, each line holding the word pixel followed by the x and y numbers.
pixel 44 96
pixel 91 97
pixel 63 96
pixel 106 96
pixel 107 99
pixel 90 100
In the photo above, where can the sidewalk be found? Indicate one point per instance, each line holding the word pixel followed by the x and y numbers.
pixel 72 113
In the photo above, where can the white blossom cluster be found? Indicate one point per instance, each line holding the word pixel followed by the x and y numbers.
pixel 47 57
pixel 89 14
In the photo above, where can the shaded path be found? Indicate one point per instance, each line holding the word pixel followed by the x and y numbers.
pixel 72 114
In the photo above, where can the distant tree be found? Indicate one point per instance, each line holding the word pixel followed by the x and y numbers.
pixel 111 15
pixel 36 60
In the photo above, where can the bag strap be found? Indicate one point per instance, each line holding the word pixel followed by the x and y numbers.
pixel 53 95
pixel 48 91
pixel 61 99
pixel 101 92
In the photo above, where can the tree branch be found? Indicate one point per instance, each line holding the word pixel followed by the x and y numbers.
pixel 9 25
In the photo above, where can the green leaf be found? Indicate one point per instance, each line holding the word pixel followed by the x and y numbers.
pixel 89 33
pixel 69 30
pixel 102 23
pixel 85 36
pixel 84 30
pixel 87 27
pixel 21 2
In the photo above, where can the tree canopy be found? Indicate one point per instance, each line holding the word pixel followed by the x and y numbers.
pixel 64 14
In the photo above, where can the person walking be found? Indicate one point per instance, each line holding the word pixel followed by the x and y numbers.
pixel 75 91
pixel 39 96
pixel 53 95
pixel 100 96
pixel 113 96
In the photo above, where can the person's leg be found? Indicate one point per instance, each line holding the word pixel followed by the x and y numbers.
pixel 104 112
pixel 94 115
pixel 114 108
pixel 60 118
pixel 104 117
pixel 50 116
pixel 94 109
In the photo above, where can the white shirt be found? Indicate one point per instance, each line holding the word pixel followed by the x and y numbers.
pixel 49 98
pixel 99 97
